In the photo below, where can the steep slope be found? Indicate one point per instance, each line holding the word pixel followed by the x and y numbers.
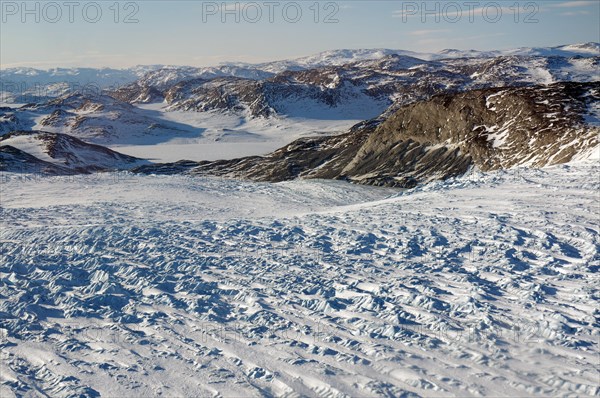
pixel 489 129
pixel 60 150
pixel 12 119
pixel 17 161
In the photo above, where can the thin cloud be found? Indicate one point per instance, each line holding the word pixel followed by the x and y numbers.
pixel 428 32
pixel 578 3
pixel 574 13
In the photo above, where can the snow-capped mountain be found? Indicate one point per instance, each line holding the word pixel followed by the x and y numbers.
pixel 40 151
pixel 344 85
pixel 438 138
pixel 98 119
pixel 14 160
pixel 360 90
pixel 345 56
pixel 22 85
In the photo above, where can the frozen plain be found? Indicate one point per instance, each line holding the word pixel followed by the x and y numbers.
pixel 123 285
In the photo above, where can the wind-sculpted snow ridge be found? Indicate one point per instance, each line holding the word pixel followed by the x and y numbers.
pixel 129 285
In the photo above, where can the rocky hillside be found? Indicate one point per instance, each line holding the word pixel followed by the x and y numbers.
pixel 359 89
pixel 52 153
pixel 340 85
pixel 426 116
pixel 98 119
pixel 17 161
pixel 436 139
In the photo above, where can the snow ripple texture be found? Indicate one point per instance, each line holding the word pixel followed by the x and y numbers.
pixel 120 285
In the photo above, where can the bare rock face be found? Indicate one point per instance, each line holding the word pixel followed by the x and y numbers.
pixel 224 93
pixel 434 139
pixel 135 93
pixel 495 128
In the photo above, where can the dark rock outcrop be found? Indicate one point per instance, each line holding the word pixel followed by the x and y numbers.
pixel 18 161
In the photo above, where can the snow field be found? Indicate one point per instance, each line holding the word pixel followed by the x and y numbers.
pixel 123 285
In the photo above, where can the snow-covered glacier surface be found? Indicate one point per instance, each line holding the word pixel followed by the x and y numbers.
pixel 121 285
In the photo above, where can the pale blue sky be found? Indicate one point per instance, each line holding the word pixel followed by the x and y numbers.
pixel 193 33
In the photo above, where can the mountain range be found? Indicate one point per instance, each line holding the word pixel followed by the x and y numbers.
pixel 438 138
pixel 424 116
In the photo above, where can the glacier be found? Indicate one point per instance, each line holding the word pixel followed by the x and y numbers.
pixel 114 284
